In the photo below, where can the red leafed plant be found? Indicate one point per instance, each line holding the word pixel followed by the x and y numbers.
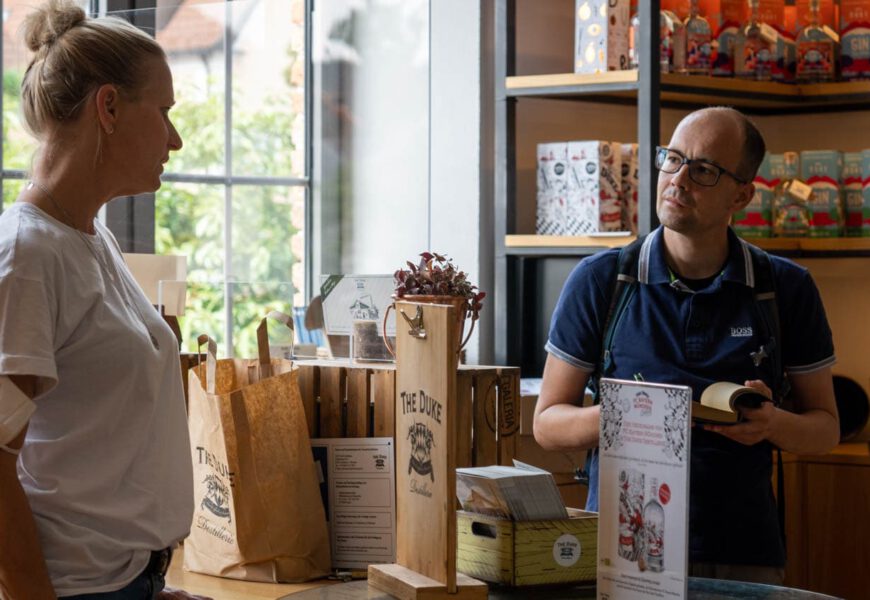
pixel 436 275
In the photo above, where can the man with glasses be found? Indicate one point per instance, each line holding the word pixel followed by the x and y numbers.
pixel 693 320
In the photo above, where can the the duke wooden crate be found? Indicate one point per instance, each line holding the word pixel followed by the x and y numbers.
pixel 522 553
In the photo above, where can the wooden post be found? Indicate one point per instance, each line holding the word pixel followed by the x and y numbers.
pixel 426 366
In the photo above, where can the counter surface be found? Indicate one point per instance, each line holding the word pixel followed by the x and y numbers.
pixel 230 589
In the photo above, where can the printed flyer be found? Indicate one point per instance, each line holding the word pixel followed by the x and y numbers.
pixel 643 490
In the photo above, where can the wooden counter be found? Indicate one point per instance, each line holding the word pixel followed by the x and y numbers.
pixel 220 588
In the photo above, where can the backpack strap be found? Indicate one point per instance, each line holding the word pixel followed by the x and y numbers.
pixel 622 288
pixel 766 307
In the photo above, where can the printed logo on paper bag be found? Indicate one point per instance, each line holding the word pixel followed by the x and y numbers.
pixel 566 550
pixel 215 493
pixel 216 499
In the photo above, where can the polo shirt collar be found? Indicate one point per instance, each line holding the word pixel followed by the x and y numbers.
pixel 652 267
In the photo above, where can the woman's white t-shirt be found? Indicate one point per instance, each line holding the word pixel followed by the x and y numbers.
pixel 106 462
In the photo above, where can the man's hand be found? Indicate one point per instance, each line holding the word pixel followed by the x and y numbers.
pixel 173 594
pixel 758 423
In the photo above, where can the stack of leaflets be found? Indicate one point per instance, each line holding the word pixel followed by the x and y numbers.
pixel 519 493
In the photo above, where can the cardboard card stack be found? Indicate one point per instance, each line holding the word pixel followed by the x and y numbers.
pixel 519 494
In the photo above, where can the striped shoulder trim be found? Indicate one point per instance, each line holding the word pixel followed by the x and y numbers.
pixel 747 264
pixel 816 366
pixel 564 356
pixel 643 259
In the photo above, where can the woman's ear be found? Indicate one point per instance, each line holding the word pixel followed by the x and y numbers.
pixel 106 99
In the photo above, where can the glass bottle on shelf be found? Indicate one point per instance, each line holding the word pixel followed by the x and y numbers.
pixel 633 39
pixel 699 38
pixel 654 528
pixel 818 49
pixel 791 215
pixel 672 43
pixel 754 48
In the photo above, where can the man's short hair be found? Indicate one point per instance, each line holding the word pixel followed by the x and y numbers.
pixel 753 149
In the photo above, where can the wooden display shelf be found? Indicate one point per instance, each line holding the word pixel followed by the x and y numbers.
pixel 520 244
pixel 694 90
pixel 828 245
pixel 523 244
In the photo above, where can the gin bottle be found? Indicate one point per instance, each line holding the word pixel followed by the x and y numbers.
pixel 698 43
pixel 817 50
pixel 754 48
pixel 672 43
pixel 654 527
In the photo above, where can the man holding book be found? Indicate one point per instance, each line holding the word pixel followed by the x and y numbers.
pixel 693 320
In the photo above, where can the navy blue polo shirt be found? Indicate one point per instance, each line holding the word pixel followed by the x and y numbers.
pixel 672 334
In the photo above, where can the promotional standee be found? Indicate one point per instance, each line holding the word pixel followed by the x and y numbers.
pixel 643 490
pixel 426 363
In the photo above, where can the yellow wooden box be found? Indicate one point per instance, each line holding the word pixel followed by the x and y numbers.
pixel 527 552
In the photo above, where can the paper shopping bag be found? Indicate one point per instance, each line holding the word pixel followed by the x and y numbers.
pixel 258 513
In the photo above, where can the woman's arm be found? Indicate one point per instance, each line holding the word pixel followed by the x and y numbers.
pixel 23 573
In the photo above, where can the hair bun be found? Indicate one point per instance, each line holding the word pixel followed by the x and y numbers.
pixel 51 20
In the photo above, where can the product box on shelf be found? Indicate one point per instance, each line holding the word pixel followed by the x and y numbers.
pixel 725 24
pixel 822 170
pixel 756 219
pixel 522 553
pixel 827 14
pixel 865 179
pixel 600 36
pixel 629 187
pixel 855 39
pixel 857 210
pixel 579 188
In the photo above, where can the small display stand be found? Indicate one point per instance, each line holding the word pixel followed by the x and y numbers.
pixel 426 363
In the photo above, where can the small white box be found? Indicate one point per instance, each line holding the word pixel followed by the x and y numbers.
pixel 600 36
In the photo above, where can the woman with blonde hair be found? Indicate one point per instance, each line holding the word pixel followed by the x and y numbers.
pixel 95 465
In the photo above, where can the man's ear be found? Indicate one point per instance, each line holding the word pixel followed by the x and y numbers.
pixel 744 196
pixel 106 99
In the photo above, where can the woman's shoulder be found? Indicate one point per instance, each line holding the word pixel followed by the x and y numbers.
pixel 29 241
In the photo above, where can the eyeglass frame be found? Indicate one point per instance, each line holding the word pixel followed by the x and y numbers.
pixel 685 160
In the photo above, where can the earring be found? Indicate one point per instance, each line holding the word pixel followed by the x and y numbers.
pixel 110 130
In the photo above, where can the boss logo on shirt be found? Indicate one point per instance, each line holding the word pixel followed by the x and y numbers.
pixel 741 332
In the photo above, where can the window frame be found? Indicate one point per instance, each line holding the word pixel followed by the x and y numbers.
pixel 132 219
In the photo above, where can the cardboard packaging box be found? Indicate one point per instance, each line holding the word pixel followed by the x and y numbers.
pixel 629 188
pixel 857 210
pixel 854 39
pixel 522 553
pixel 579 188
pixel 822 171
pixel 757 218
pixel 865 178
pixel 600 36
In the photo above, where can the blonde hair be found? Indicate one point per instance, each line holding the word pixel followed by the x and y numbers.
pixel 74 55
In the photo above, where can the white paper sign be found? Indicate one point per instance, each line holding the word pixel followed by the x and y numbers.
pixel 643 490
pixel 348 298
pixel 358 491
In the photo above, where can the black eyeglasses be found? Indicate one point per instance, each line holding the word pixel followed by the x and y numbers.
pixel 701 172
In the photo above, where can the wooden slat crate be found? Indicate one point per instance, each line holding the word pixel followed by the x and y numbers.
pixel 344 399
pixel 521 553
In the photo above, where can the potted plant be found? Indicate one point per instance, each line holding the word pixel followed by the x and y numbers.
pixel 436 280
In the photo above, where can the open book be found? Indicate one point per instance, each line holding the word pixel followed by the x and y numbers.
pixel 721 402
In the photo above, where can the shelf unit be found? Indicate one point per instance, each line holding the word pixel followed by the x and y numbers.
pixel 524 262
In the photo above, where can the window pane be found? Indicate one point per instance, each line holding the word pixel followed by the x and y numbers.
pixel 189 221
pixel 371 136
pixel 268 236
pixel 268 134
pixel 192 35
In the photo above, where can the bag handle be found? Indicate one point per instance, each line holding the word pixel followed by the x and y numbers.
pixel 210 361
pixel 263 340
